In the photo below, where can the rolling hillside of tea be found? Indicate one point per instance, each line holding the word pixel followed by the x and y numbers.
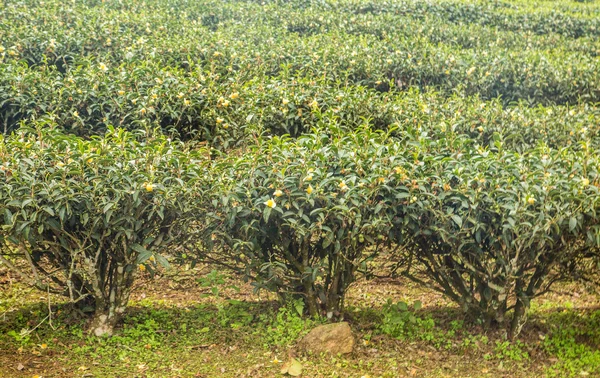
pixel 316 188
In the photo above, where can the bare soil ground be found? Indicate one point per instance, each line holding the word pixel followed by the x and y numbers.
pixel 174 328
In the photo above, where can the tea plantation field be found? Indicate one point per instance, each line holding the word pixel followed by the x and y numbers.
pixel 188 188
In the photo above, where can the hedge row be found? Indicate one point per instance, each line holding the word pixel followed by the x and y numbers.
pixel 537 17
pixel 228 110
pixel 303 216
pixel 366 50
pixel 458 135
pixel 116 29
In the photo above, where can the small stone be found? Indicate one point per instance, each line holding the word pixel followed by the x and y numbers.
pixel 335 338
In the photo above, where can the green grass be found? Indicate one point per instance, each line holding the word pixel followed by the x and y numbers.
pixel 168 331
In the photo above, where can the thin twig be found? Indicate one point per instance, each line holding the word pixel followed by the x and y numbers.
pixel 50 312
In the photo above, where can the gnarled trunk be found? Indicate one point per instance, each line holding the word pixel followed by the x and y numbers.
pixel 518 320
pixel 110 308
pixel 104 322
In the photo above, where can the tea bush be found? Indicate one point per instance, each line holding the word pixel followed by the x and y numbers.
pixel 303 217
pixel 170 64
pixel 83 218
pixel 494 230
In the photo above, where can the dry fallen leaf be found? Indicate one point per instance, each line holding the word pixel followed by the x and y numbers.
pixel 292 367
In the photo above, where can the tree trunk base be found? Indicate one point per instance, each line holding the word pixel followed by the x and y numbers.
pixel 103 324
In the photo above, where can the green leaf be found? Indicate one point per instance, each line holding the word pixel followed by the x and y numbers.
pixel 378 208
pixel 329 238
pixel 417 305
pixel 457 220
pixel 143 255
pixel 7 216
pixel 107 207
pixel 572 223
pixel 266 214
pixel 162 261
pixel 138 248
